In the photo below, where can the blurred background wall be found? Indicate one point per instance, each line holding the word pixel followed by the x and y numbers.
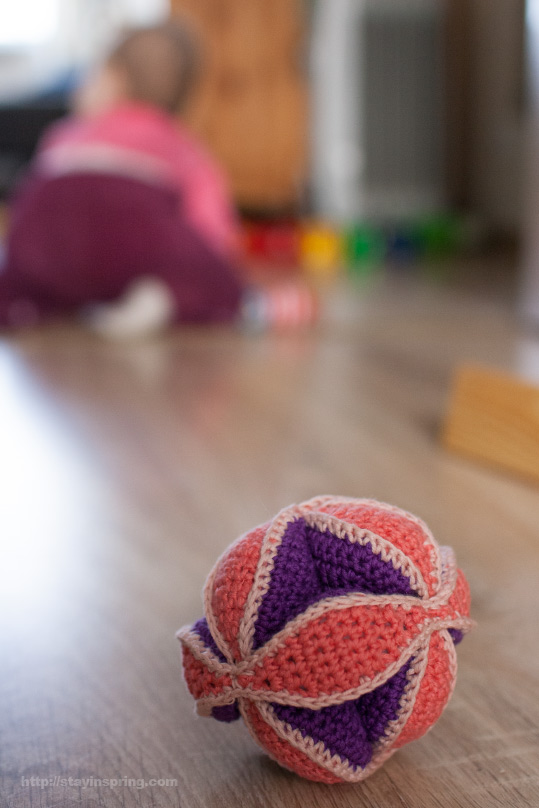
pixel 334 107
pixel 42 41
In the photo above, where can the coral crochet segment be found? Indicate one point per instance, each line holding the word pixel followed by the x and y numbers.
pixel 331 631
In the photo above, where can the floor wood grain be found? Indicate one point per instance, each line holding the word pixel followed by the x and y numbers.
pixel 126 469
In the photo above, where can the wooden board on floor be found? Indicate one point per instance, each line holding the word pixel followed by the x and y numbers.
pixel 494 417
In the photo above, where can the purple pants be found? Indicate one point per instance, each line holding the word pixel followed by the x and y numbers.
pixel 84 238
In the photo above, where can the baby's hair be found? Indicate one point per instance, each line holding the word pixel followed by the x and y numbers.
pixel 161 64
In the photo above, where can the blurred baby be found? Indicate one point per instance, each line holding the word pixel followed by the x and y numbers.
pixel 124 218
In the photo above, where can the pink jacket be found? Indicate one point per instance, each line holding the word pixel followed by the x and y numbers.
pixel 140 141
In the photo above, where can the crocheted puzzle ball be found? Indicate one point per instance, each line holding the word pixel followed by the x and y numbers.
pixel 331 631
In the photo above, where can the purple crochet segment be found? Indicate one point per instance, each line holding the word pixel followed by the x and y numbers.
pixel 350 729
pixel 228 712
pixel 456 635
pixel 311 565
pixel 202 629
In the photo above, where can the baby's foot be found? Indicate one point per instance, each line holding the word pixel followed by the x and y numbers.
pixel 146 308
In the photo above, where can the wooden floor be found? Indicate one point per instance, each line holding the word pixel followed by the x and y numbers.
pixel 126 469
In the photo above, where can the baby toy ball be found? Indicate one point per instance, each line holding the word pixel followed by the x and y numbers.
pixel 331 631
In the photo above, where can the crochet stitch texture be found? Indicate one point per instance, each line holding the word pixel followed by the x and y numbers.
pixel 331 631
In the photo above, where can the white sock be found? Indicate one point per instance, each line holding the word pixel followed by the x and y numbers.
pixel 146 308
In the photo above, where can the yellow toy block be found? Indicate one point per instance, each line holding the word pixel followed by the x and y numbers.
pixel 321 250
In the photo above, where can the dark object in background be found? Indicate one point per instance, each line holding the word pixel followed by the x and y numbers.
pixel 21 126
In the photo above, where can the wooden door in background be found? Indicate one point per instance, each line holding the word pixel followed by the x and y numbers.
pixel 251 108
